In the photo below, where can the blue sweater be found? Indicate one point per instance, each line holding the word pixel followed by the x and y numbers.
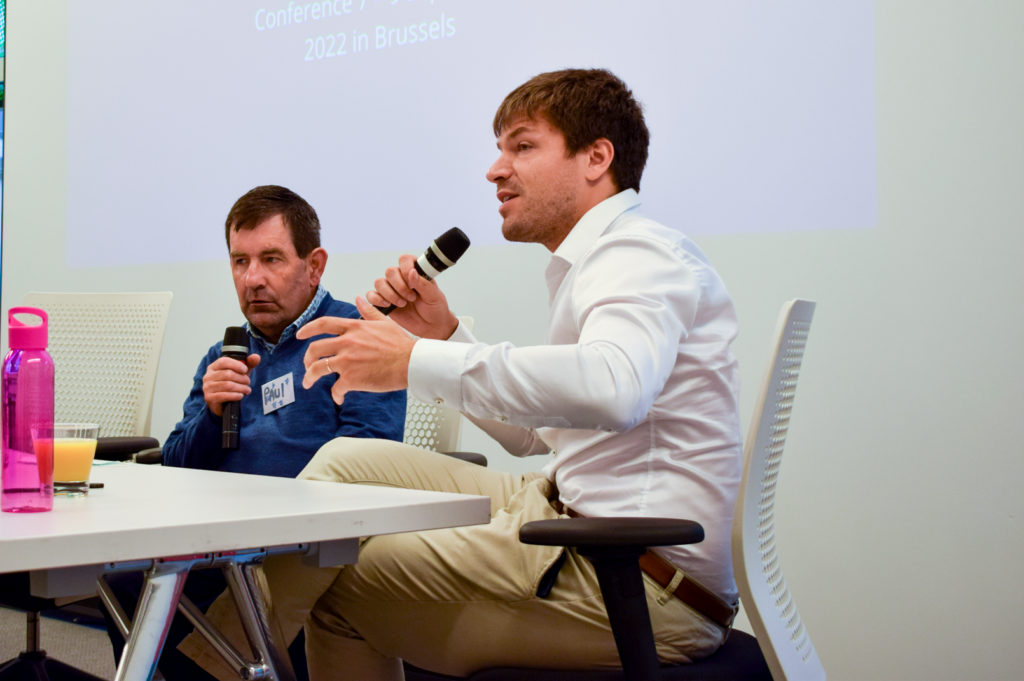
pixel 282 442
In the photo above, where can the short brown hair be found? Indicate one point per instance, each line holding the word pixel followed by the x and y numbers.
pixel 263 203
pixel 586 105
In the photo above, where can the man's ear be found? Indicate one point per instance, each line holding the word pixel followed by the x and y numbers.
pixel 599 159
pixel 317 261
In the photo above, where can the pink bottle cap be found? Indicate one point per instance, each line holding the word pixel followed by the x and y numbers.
pixel 21 336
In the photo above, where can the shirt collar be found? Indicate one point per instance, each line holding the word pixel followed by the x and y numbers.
pixel 592 225
pixel 292 328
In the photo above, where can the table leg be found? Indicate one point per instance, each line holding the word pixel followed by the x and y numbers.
pixel 162 591
pixel 164 582
pixel 255 608
pixel 244 574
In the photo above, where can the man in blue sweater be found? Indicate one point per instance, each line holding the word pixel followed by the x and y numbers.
pixel 273 239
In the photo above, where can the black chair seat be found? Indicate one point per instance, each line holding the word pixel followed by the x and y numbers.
pixel 739 659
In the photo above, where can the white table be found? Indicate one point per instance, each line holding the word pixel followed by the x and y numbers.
pixel 167 520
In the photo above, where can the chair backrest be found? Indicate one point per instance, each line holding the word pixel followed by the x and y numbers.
pixel 431 426
pixel 106 349
pixel 766 599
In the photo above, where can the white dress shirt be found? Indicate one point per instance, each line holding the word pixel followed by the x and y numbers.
pixel 635 390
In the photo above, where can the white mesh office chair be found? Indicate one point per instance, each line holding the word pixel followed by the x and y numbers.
pixel 782 640
pixel 106 348
pixel 766 599
pixel 432 426
pixel 437 427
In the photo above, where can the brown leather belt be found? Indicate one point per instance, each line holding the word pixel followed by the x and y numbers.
pixel 689 591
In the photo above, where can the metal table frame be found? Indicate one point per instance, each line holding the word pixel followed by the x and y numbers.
pixel 63 551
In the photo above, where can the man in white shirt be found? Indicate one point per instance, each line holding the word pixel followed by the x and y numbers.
pixel 635 391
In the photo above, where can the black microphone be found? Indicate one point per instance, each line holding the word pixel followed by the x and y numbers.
pixel 236 346
pixel 443 253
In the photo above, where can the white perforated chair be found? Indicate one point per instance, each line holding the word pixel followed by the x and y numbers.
pixel 766 599
pixel 782 649
pixel 437 427
pixel 106 349
pixel 432 426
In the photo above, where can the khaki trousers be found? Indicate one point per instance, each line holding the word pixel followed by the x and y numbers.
pixel 452 601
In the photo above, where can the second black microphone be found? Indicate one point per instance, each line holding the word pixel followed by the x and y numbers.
pixel 236 346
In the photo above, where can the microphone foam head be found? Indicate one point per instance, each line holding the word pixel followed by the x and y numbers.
pixel 236 335
pixel 453 243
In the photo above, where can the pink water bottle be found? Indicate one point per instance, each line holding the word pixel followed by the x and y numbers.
pixel 26 469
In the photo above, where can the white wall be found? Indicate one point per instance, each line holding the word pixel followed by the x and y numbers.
pixel 900 502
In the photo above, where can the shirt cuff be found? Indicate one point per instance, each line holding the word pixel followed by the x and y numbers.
pixel 435 371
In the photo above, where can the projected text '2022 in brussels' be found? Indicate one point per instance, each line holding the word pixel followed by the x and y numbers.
pixel 392 32
pixel 384 37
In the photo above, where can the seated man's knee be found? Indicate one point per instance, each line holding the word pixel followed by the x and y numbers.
pixel 350 459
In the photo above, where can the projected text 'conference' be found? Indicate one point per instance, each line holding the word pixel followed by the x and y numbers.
pixel 373 25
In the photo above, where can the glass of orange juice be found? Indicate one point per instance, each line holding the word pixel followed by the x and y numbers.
pixel 74 446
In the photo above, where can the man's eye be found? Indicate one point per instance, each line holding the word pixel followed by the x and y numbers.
pixel 523 146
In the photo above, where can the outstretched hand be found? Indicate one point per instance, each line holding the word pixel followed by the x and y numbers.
pixel 421 307
pixel 369 354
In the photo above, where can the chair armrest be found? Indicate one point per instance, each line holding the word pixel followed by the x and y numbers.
pixel 603 534
pixel 614 546
pixel 471 457
pixel 150 456
pixel 122 448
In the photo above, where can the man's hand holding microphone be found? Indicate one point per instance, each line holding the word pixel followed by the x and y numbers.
pixel 419 306
pixel 227 380
pixel 372 354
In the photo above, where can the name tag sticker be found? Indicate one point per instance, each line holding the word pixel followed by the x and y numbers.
pixel 278 393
